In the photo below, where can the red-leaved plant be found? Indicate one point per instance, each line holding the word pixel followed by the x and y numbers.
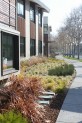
pixel 22 95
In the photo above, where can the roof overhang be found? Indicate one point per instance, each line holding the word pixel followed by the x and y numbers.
pixel 41 5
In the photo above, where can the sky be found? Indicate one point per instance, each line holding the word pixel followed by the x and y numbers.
pixel 59 10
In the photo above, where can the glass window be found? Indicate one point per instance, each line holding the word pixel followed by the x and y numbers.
pixel 40 18
pixel 32 47
pixel 7 51
pixel 20 8
pixel 22 46
pixel 32 13
pixel 40 47
pixel 46 28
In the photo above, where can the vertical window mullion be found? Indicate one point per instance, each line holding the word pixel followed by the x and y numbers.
pixel 32 47
pixel 22 46
pixel 40 47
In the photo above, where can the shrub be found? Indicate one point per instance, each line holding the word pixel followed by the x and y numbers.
pixel 60 88
pixel 49 86
pixel 12 117
pixel 48 83
pixel 54 84
pixel 22 96
pixel 62 70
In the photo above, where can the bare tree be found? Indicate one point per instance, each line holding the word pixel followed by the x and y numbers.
pixel 71 34
pixel 74 26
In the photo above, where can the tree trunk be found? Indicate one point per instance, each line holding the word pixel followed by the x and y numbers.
pixel 72 50
pixel 78 49
pixel 69 50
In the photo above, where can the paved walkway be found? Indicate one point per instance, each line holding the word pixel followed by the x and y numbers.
pixel 71 111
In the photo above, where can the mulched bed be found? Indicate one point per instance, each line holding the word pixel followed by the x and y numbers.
pixel 52 111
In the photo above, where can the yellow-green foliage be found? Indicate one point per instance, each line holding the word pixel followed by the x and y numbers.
pixel 54 83
pixel 61 86
pixel 12 117
pixel 48 83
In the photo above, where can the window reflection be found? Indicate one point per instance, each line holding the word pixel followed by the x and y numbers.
pixel 20 8
pixel 22 46
pixel 32 47
pixel 32 12
pixel 40 18
pixel 7 51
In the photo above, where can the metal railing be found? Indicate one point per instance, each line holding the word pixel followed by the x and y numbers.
pixel 8 13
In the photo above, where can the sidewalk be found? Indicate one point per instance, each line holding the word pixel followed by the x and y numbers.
pixel 71 111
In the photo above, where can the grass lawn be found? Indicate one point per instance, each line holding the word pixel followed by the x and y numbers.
pixel 73 58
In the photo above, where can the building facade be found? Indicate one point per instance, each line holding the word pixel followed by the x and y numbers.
pixel 21 33
pixel 47 30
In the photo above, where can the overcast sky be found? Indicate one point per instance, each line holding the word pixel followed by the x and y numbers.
pixel 59 10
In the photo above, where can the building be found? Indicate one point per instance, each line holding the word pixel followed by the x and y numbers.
pixel 21 33
pixel 45 36
pixel 47 30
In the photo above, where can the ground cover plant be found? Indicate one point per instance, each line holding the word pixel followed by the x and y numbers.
pixel 55 84
pixel 12 117
pixel 49 70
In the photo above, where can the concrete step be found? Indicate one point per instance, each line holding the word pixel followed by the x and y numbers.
pixel 48 93
pixel 42 102
pixel 46 97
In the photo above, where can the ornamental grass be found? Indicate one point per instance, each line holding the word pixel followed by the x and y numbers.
pixel 21 95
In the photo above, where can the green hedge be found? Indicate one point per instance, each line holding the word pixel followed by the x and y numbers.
pixel 62 70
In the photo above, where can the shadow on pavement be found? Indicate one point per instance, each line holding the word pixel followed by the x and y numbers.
pixel 79 75
pixel 73 100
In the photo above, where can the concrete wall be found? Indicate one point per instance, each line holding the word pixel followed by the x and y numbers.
pixel 27 17
pixel 37 31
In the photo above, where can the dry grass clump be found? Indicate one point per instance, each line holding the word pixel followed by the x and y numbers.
pixel 22 96
pixel 32 61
